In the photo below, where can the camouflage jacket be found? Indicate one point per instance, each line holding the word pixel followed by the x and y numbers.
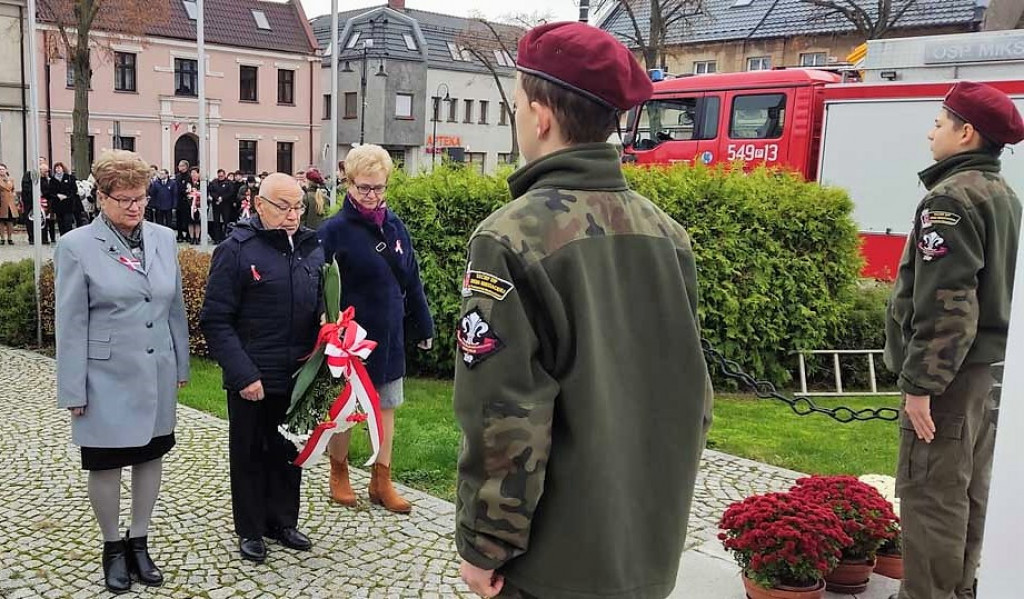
pixel 951 302
pixel 580 388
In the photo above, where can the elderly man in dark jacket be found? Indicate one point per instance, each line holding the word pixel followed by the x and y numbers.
pixel 260 317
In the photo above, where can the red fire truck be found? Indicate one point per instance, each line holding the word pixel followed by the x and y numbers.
pixel 869 137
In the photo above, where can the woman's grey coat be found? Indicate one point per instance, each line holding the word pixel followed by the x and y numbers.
pixel 122 335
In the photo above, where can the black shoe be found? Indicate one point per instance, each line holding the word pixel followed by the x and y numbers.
pixel 254 550
pixel 115 567
pixel 140 564
pixel 291 538
pixel 10 242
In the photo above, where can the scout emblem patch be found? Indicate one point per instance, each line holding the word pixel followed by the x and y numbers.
pixel 939 217
pixel 484 283
pixel 932 247
pixel 476 338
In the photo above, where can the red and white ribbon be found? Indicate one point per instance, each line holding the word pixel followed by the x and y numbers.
pixel 345 347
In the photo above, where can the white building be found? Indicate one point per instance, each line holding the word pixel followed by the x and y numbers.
pixel 420 78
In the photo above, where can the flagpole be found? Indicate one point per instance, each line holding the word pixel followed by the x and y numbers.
pixel 33 157
pixel 203 142
pixel 334 102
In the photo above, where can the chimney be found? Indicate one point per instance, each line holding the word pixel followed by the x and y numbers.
pixel 398 5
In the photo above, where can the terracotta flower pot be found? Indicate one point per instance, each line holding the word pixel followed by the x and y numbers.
pixel 890 565
pixel 756 591
pixel 850 577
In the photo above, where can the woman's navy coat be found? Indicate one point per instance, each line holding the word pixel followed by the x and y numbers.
pixel 369 286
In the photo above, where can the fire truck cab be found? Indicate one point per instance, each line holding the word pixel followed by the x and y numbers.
pixel 759 117
pixel 868 137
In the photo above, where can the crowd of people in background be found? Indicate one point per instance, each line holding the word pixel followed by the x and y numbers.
pixel 67 202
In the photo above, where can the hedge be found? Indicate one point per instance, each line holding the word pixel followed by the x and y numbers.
pixel 777 260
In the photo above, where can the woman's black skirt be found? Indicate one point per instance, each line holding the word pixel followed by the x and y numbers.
pixel 108 458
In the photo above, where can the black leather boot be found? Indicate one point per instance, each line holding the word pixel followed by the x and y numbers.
pixel 140 564
pixel 115 567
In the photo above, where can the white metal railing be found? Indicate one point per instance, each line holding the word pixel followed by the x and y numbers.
pixel 835 353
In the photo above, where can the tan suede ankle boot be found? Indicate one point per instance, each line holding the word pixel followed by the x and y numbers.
pixel 341 489
pixel 383 493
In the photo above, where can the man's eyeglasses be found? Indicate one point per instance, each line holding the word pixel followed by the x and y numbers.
pixel 283 209
pixel 364 190
pixel 126 203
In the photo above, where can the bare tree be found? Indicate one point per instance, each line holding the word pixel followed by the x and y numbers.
pixel 871 22
pixel 665 17
pixel 77 23
pixel 494 45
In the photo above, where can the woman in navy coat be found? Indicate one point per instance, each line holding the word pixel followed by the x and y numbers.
pixel 380 278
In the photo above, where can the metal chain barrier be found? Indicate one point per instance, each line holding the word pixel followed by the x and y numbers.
pixel 800 404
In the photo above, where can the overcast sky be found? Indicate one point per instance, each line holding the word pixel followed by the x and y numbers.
pixel 558 10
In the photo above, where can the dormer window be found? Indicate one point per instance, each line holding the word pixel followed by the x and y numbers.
pixel 261 20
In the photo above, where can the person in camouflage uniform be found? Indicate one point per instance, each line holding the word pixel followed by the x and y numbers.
pixel 581 387
pixel 947 324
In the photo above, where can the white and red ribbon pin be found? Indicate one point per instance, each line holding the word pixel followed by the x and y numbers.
pixel 255 273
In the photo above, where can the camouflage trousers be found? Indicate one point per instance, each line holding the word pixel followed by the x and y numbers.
pixel 943 489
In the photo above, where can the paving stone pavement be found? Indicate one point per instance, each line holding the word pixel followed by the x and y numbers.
pixel 50 545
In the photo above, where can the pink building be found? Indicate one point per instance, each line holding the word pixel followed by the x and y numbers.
pixel 262 75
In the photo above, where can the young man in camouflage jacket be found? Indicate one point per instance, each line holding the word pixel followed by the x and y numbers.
pixel 947 325
pixel 581 388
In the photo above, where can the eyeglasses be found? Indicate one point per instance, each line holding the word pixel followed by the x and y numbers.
pixel 126 203
pixel 299 210
pixel 364 190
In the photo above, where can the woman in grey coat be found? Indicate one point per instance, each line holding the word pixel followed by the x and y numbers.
pixel 122 355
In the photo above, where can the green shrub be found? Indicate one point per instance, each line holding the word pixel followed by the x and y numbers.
pixel 18 304
pixel 863 328
pixel 777 259
pixel 441 210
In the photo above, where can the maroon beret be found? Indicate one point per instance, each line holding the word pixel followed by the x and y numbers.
pixel 990 111
pixel 585 60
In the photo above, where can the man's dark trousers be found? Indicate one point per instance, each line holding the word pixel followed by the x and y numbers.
pixel 264 482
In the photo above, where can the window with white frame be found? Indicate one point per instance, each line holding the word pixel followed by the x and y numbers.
pixel 403 106
pixel 814 59
pixel 453 51
pixel 484 105
pixel 261 20
pixel 192 9
pixel 703 67
pixel 410 42
pixel 352 41
pixel 504 59
pixel 476 160
pixel 759 63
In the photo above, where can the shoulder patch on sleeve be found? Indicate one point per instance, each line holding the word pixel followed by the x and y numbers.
pixel 930 218
pixel 484 283
pixel 932 246
pixel 477 340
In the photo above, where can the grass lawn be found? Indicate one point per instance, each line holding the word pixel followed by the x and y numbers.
pixel 427 440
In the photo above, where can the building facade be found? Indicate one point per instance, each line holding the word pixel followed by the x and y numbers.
pixel 427 96
pixel 13 93
pixel 262 85
pixel 747 35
